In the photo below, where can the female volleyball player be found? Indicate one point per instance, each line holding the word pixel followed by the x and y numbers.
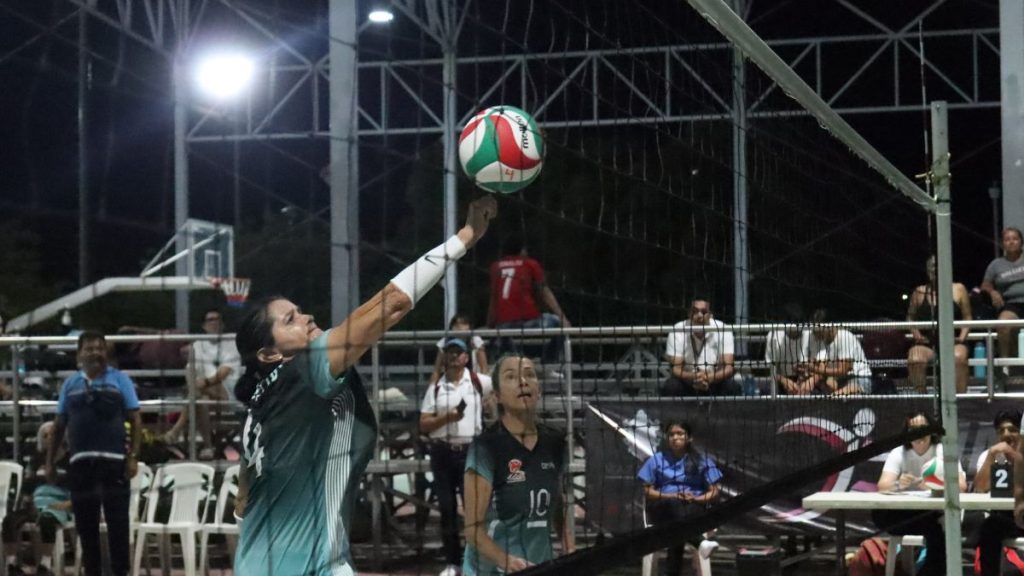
pixel 310 429
pixel 678 482
pixel 515 480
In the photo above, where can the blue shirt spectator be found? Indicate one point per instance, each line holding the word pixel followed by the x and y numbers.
pixel 691 474
pixel 95 411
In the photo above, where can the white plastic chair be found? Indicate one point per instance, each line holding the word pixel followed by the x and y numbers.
pixel 9 470
pixel 704 563
pixel 895 543
pixel 140 486
pixel 190 496
pixel 228 488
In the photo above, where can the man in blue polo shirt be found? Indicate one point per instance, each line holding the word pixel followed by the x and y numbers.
pixel 94 404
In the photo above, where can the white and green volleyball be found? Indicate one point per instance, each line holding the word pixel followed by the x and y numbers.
pixel 501 149
pixel 931 474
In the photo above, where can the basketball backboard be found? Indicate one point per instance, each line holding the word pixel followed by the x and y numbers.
pixel 209 251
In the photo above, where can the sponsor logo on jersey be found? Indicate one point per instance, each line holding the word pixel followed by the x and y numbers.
pixel 515 471
pixel 547 465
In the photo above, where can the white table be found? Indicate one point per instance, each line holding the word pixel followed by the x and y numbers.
pixel 843 501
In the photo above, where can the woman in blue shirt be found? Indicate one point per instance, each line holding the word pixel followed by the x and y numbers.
pixel 678 482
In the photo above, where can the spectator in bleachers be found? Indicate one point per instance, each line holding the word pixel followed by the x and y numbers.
pixel 1004 284
pixel 902 472
pixel 213 369
pixel 162 355
pixel 517 283
pixel 701 360
pixel 999 525
pixel 787 353
pixel 478 352
pixel 679 481
pixel 452 415
pixel 922 309
pixel 838 365
pixel 93 407
pixel 515 481
pixel 46 505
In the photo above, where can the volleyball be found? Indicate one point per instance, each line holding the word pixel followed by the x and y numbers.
pixel 931 474
pixel 501 149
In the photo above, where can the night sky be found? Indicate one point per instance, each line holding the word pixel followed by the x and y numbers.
pixel 130 146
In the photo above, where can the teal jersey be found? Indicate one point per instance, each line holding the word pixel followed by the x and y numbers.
pixel 526 494
pixel 308 438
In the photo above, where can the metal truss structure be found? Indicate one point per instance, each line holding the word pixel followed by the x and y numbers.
pixel 859 73
pixel 294 103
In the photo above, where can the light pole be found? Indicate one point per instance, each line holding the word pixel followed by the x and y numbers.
pixel 994 192
pixel 220 76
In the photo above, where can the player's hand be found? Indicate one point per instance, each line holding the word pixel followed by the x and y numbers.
pixel 455 416
pixel 131 467
pixel 51 474
pixel 921 339
pixel 481 212
pixel 515 564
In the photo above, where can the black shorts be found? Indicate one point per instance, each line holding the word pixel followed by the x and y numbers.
pixel 1015 307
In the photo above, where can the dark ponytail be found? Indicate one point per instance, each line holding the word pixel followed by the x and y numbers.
pixel 255 332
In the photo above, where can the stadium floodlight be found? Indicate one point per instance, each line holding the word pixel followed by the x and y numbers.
pixel 381 16
pixel 225 75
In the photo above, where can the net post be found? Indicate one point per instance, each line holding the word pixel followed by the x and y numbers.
pixel 947 371
pixel 570 444
pixel 15 398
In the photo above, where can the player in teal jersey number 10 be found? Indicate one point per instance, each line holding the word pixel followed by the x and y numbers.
pixel 310 430
pixel 515 481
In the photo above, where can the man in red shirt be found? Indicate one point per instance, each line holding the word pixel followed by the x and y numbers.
pixel 517 282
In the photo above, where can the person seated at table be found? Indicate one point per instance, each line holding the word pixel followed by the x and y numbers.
pixel 999 525
pixel 679 481
pixel 902 472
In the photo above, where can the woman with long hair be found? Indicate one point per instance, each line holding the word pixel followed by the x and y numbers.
pixel 902 472
pixel 310 430
pixel 922 308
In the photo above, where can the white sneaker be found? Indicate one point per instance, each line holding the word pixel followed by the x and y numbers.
pixel 450 570
pixel 706 548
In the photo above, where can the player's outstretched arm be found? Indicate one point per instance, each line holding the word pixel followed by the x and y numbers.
pixel 364 327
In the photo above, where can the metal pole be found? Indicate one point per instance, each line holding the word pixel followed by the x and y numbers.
pixel 193 394
pixel 344 171
pixel 994 192
pixel 1011 72
pixel 570 441
pixel 947 370
pixel 181 268
pixel 451 150
pixel 741 267
pixel 83 148
pixel 15 397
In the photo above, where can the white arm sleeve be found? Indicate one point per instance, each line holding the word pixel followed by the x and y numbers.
pixel 419 277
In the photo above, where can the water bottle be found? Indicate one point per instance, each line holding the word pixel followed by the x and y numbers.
pixel 750 385
pixel 979 353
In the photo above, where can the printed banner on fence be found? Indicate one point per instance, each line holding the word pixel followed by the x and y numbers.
pixel 755 441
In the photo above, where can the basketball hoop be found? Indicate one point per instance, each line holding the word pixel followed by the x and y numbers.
pixel 236 290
